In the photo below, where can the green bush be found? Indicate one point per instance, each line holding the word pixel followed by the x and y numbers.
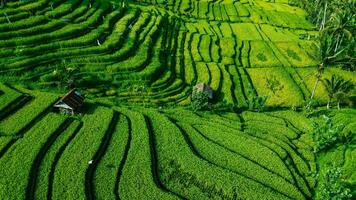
pixel 274 84
pixel 332 188
pixel 325 134
pixel 255 102
pixel 200 100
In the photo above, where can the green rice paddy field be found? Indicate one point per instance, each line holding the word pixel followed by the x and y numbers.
pixel 158 154
pixel 136 137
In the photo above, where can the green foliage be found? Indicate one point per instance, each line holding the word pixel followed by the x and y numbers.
pixel 110 45
pixel 145 53
pixel 335 19
pixel 200 100
pixel 325 134
pixel 255 102
pixel 63 77
pixel 3 3
pixel 338 88
pixel 332 187
pixel 329 52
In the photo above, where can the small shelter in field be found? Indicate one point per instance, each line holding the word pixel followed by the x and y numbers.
pixel 71 102
pixel 203 87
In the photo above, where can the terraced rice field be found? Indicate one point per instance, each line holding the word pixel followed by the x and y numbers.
pixel 154 154
pixel 152 52
pixel 137 62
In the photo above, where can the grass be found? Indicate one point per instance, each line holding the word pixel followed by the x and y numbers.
pixel 10 125
pixel 16 171
pixel 70 175
pixel 137 49
pixel 296 56
pixel 139 166
pixel 45 169
pixel 8 95
pixel 137 64
pixel 309 78
pixel 261 56
pixel 289 93
pixel 167 154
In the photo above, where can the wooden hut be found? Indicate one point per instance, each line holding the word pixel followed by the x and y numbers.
pixel 203 87
pixel 71 102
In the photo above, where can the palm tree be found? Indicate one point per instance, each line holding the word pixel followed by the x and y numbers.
pixel 341 26
pixel 350 61
pixel 322 6
pixel 316 9
pixel 337 46
pixel 337 88
pixel 328 57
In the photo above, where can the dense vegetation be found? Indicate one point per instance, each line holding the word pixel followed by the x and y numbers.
pixel 282 74
pixel 173 153
pixel 155 52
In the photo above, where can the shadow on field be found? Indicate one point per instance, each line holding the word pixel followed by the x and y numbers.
pixel 88 108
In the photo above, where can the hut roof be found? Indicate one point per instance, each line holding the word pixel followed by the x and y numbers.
pixel 203 87
pixel 72 100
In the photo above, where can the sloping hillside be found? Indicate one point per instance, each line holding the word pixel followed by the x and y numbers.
pixel 129 153
pixel 136 137
pixel 154 52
